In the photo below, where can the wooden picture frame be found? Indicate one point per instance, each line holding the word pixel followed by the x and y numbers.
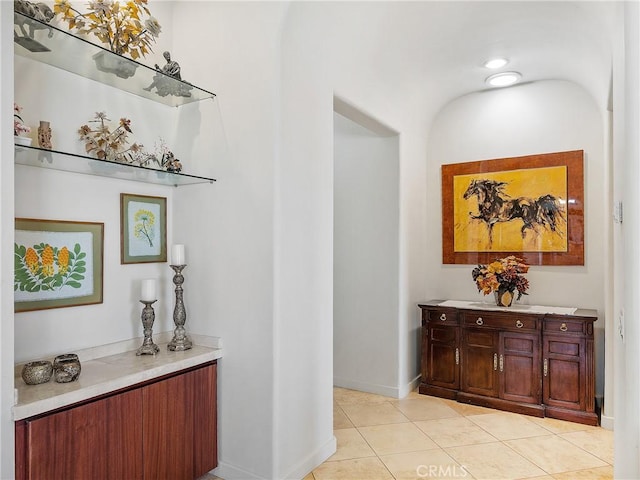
pixel 57 263
pixel 530 206
pixel 143 229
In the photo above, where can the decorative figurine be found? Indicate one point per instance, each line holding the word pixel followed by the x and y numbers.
pixel 170 163
pixel 163 85
pixel 38 11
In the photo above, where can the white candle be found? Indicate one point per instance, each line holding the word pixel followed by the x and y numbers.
pixel 177 255
pixel 148 290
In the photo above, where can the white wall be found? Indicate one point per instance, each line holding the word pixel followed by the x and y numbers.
pixel 6 243
pixel 541 117
pixel 318 65
pixel 233 49
pixel 366 256
pixel 626 343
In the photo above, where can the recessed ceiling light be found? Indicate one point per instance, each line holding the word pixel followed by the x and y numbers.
pixel 503 79
pixel 496 63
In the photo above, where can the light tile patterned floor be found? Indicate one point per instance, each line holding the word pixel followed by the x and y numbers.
pixel 422 437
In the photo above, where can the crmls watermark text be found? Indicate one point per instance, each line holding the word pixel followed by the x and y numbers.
pixel 441 471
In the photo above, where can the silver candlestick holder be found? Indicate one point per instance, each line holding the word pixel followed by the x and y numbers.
pixel 180 340
pixel 148 317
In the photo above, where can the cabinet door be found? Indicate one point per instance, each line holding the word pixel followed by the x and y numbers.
pixel 480 362
pixel 179 426
pixel 519 365
pixel 168 429
pixel 441 363
pixel 99 440
pixel 68 444
pixel 124 435
pixel 564 374
pixel 205 420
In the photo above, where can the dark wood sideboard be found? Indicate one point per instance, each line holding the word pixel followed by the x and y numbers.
pixel 539 364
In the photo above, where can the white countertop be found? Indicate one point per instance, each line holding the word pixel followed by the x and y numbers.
pixel 118 368
pixel 541 309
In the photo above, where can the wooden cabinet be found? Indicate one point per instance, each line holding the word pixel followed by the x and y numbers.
pixel 441 339
pixel 164 429
pixel 532 363
pixel 568 368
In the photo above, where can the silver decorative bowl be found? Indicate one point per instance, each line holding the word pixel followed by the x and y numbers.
pixel 35 373
pixel 66 368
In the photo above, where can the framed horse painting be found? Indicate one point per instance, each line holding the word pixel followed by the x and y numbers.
pixel 531 206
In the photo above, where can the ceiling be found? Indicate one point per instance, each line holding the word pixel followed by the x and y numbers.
pixel 435 49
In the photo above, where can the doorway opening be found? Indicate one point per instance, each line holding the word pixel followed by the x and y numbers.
pixel 366 253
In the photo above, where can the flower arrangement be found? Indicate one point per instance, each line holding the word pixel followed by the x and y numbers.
pixel 115 23
pixel 162 157
pixel 106 144
pixel 18 124
pixel 503 274
pixel 110 145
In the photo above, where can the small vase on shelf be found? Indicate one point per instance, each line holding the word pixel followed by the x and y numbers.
pixel 44 135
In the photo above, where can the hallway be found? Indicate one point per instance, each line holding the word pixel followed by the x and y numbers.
pixel 428 437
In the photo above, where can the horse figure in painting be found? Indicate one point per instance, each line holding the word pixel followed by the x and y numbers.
pixel 495 206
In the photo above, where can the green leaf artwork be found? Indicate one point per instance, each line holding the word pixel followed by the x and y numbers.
pixel 45 268
pixel 144 228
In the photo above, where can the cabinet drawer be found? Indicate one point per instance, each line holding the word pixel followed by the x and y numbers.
pixel 502 321
pixel 558 325
pixel 441 316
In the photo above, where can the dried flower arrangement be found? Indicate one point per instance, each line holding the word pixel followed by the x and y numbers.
pixel 162 157
pixel 106 144
pixel 19 127
pixel 503 275
pixel 118 24
pixel 110 145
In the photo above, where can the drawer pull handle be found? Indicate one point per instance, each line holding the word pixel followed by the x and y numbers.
pixel 501 363
pixel 443 317
pixel 545 367
pixel 457 356
pixel 563 327
pixel 519 324
pixel 479 321
pixel 495 361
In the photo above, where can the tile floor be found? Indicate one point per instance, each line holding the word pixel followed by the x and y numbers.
pixel 422 437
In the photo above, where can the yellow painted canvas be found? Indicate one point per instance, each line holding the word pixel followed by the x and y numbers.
pixel 511 211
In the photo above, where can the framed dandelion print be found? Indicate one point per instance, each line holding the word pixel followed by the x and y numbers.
pixel 57 264
pixel 143 229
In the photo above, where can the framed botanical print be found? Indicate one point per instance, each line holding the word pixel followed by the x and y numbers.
pixel 57 264
pixel 143 229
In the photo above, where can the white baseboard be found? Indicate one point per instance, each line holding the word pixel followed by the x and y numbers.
pixel 410 387
pixel 231 472
pixel 312 461
pixel 606 422
pixel 393 392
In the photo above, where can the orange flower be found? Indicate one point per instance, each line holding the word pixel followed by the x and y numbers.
pixel 32 260
pixel 63 260
pixel 47 261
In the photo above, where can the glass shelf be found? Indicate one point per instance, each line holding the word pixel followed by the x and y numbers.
pixel 70 162
pixel 49 44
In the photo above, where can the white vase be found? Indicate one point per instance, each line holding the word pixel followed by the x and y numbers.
pixel 22 140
